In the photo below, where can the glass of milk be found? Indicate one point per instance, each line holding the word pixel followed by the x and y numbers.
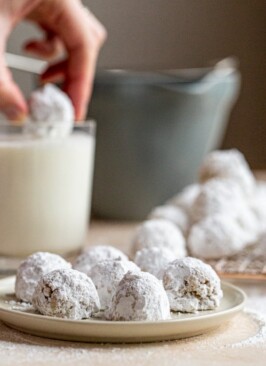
pixel 45 190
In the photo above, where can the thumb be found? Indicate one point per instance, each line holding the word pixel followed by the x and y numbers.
pixel 12 102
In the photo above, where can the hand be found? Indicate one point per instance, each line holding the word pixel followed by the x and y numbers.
pixel 67 26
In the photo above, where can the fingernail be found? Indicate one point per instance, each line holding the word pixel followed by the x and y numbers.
pixel 14 114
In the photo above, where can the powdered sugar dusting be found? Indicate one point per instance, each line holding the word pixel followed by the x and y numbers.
pixel 51 111
pixel 32 269
pixel 159 233
pixel 24 349
pixel 191 285
pixel 95 254
pixel 20 349
pixel 20 306
pixel 260 337
pixel 174 214
pixel 66 293
pixel 228 164
pixel 154 260
pixel 185 199
pixel 216 236
pixel 218 196
pixel 106 276
pixel 139 296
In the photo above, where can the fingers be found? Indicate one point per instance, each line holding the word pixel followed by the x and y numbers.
pixel 12 103
pixel 48 48
pixel 83 41
pixel 76 84
pixel 79 81
pixel 55 72
pixel 83 36
pixel 79 77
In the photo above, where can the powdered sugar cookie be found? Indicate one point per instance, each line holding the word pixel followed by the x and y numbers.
pixel 186 197
pixel 229 164
pixel 174 214
pixel 32 269
pixel 66 293
pixel 191 285
pixel 216 236
pixel 51 112
pixel 139 296
pixel 217 196
pixel 86 260
pixel 258 205
pixel 159 233
pixel 106 276
pixel 154 260
pixel 249 223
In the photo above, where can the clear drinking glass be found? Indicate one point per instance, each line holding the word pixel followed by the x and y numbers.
pixel 45 190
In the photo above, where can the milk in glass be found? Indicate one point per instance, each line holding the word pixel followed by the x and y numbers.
pixel 45 191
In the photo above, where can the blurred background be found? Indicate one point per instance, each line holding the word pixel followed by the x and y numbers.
pixel 163 34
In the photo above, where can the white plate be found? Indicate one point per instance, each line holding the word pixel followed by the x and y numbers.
pixel 180 326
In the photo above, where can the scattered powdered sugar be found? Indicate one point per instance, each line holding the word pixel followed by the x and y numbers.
pixel 66 293
pixel 20 305
pixel 106 276
pixel 257 339
pixel 32 269
pixel 139 296
pixel 256 295
pixel 24 349
pixel 191 285
pixel 86 260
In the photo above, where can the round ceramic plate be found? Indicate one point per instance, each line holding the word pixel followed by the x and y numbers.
pixel 24 318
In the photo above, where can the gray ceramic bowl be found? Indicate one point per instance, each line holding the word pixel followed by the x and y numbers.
pixel 153 130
